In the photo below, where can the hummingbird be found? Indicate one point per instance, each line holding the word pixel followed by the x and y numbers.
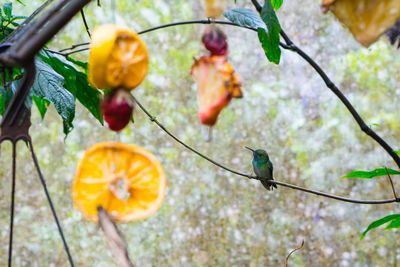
pixel 263 167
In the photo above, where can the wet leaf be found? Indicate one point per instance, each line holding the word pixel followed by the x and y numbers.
pixel 270 39
pixel 76 83
pixel 267 26
pixel 370 174
pixel 245 17
pixel 276 4
pixel 377 223
pixel 49 85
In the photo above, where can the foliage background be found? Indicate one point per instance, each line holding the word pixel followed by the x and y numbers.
pixel 211 217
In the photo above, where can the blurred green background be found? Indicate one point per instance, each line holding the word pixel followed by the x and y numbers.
pixel 211 217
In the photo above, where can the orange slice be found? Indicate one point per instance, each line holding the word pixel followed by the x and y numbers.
pixel 126 180
pixel 118 58
pixel 215 8
pixel 367 20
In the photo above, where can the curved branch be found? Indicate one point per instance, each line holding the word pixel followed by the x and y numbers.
pixel 289 46
pixel 201 21
pixel 160 125
pixel 337 92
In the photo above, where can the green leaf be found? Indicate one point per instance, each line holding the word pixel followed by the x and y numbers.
pixel 267 26
pixel 76 82
pixel 7 7
pixel 272 52
pixel 270 39
pixel 276 4
pixel 370 174
pixel 6 96
pixel 14 87
pixel 379 222
pixel 397 152
pixel 49 85
pixel 41 104
pixel 83 65
pixel 245 17
pixel 394 224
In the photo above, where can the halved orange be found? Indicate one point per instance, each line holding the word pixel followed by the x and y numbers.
pixel 118 57
pixel 126 180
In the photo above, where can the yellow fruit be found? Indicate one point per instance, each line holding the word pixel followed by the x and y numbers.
pixel 117 58
pixel 366 19
pixel 215 8
pixel 126 180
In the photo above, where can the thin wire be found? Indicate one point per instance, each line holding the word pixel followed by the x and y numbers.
pixel 10 241
pixel 153 119
pixel 50 203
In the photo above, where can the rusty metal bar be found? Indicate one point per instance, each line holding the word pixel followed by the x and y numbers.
pixel 29 43
pixel 32 45
pixel 11 230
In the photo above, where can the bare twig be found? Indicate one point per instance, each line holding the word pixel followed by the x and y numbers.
pixel 74 46
pixel 153 119
pixel 84 22
pixel 291 252
pixel 391 183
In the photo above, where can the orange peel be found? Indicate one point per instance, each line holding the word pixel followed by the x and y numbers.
pixel 126 180
pixel 118 57
pixel 367 20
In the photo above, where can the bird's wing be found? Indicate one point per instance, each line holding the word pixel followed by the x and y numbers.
pixel 271 169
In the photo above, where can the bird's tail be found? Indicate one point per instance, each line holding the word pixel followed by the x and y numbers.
pixel 269 186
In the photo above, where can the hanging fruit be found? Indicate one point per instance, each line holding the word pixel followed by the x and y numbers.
pixel 367 20
pixel 215 8
pixel 126 180
pixel 217 83
pixel 119 60
pixel 117 108
pixel 214 41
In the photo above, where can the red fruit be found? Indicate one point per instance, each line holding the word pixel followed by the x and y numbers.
pixel 215 41
pixel 117 107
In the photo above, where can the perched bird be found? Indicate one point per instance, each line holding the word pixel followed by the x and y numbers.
pixel 263 167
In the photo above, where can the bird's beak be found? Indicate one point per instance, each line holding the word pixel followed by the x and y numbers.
pixel 250 149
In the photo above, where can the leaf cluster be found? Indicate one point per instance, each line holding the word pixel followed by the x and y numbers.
pixel 60 81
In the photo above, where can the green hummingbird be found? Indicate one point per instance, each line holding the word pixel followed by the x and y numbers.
pixel 263 167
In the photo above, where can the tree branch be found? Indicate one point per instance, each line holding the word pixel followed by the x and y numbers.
pixel 85 23
pixel 287 45
pixel 338 93
pixel 153 119
pixel 203 21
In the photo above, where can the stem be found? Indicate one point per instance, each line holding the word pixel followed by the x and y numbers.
pixel 85 23
pixel 153 119
pixel 391 183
